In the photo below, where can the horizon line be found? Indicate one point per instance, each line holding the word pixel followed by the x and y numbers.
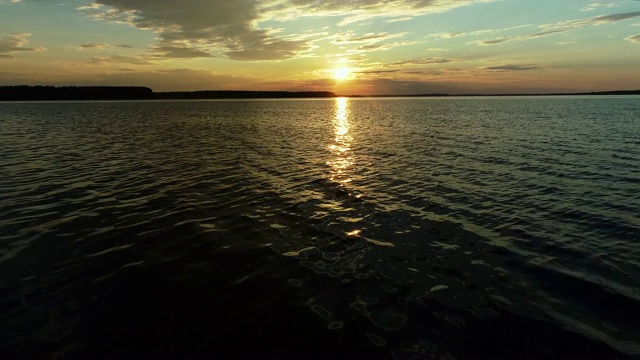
pixel 65 92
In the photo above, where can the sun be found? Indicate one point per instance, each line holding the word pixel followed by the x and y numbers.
pixel 341 73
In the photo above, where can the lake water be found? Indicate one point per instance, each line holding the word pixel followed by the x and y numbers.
pixel 406 228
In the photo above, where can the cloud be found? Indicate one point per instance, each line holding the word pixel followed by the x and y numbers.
pixel 449 35
pixel 504 39
pixel 605 19
pixel 231 28
pixel 425 61
pixel 597 5
pixel 268 50
pixel 176 52
pixel 382 47
pixel 369 42
pixel 598 20
pixel 513 67
pixel 499 40
pixel 16 43
pixel 118 59
pixel 377 71
pixel 370 38
pixel 205 26
pixel 633 38
pixel 406 18
pixel 424 72
pixel 565 26
pixel 361 10
pixel 93 46
pixel 90 46
pixel 407 67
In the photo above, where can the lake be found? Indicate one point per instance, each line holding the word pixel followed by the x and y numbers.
pixel 401 228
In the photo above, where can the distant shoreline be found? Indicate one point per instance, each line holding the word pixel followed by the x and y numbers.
pixel 53 93
pixel 597 93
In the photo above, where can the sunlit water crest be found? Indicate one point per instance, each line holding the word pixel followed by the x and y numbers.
pixel 401 227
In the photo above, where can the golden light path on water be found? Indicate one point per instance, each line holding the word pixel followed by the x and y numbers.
pixel 341 160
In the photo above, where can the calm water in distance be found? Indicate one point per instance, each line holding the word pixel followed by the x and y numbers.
pixel 453 227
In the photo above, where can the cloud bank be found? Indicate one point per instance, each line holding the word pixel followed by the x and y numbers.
pixel 203 28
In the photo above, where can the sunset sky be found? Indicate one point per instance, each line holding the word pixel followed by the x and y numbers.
pixel 349 47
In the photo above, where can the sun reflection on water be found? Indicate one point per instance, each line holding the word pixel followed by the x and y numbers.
pixel 341 159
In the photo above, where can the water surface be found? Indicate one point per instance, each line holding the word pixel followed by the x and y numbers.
pixel 454 227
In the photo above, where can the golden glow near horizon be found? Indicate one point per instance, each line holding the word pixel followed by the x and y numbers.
pixel 363 47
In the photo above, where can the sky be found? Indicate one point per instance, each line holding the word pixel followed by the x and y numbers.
pixel 363 47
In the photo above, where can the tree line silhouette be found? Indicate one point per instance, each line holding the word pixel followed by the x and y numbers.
pixel 27 93
pixel 74 92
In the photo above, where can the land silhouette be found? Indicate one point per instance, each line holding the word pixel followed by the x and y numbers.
pixel 74 92
pixel 28 93
pixel 49 93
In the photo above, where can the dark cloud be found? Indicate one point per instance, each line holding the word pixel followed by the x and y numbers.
pixel 93 45
pixel 377 71
pixel 541 34
pixel 633 38
pixel 205 26
pixel 495 41
pixel 425 61
pixel 423 72
pixel 614 17
pixel 598 20
pixel 175 52
pixel 90 46
pixel 513 67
